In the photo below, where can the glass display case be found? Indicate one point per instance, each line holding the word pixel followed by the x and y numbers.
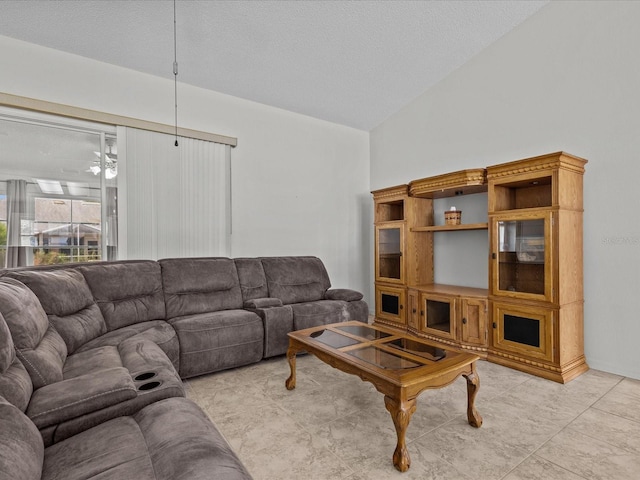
pixel 389 241
pixel 522 256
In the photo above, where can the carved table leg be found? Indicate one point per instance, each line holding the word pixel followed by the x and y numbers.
pixel 401 414
pixel 291 356
pixel 473 385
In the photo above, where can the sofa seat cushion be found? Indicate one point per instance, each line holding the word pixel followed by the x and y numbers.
pixel 169 440
pixel 69 399
pixel 91 362
pixel 218 340
pixel 296 279
pixel 136 354
pixel 158 331
pixel 150 377
pixel 68 302
pixel 323 312
pixel 115 449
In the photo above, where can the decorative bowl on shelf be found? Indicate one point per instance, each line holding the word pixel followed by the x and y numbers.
pixel 526 257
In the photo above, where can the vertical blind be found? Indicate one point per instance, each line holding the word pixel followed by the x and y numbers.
pixel 175 201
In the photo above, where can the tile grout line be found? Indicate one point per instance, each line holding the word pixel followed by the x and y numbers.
pixel 567 426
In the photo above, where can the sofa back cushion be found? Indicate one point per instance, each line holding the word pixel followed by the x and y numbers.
pixel 38 345
pixel 127 292
pixel 68 302
pixel 253 282
pixel 21 446
pixel 200 285
pixel 15 383
pixel 296 279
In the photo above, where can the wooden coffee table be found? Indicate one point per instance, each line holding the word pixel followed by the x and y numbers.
pixel 398 365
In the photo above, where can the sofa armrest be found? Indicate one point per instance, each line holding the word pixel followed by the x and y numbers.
pixel 72 398
pixel 343 294
pixel 262 303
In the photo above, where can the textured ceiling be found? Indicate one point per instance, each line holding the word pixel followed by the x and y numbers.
pixel 350 62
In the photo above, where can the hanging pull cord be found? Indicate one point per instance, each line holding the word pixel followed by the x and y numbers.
pixel 175 70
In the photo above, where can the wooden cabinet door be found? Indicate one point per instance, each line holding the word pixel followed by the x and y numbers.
pixel 473 320
pixel 390 304
pixel 389 261
pixel 438 315
pixel 524 330
pixel 522 255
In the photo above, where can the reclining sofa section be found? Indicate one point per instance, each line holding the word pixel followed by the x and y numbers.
pixel 205 314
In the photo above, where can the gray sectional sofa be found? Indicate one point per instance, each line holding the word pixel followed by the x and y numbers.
pixel 92 358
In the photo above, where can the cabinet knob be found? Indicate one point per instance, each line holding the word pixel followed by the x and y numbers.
pixel 493 255
pixel 495 325
pixel 401 307
pixel 464 321
pixel 422 313
pixel 413 311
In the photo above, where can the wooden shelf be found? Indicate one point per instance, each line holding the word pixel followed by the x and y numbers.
pixel 451 228
pixel 443 289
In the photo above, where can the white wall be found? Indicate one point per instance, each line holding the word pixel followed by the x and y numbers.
pixel 299 185
pixel 566 79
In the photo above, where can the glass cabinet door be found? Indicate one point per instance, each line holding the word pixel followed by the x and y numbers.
pixel 389 264
pixel 522 256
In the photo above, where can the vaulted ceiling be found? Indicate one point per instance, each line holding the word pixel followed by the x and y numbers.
pixel 350 62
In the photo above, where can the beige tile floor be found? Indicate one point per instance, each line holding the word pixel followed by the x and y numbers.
pixel 334 426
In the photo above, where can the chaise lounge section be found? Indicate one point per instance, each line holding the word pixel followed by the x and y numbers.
pixel 67 394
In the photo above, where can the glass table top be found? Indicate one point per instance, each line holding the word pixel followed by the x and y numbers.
pixel 429 352
pixel 380 348
pixel 364 331
pixel 333 339
pixel 381 358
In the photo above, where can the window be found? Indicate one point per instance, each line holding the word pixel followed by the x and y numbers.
pixel 66 230
pixel 58 188
pixel 67 197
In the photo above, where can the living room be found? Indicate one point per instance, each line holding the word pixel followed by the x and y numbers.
pixel 564 79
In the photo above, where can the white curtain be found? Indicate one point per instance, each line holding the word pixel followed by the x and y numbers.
pixel 174 201
pixel 111 222
pixel 18 219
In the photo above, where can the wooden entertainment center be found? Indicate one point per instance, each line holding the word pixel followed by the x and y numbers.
pixel 531 315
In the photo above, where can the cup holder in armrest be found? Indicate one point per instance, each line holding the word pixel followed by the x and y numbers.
pixel 144 376
pixel 149 386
